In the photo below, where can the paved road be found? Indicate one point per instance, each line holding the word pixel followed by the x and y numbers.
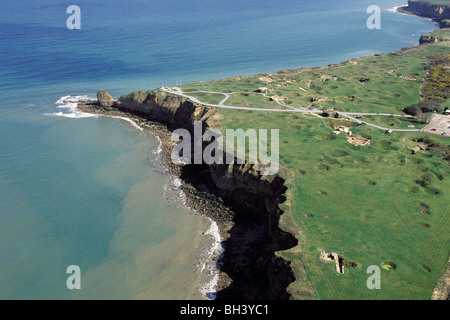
pixel 221 104
pixel 349 115
pixel 374 125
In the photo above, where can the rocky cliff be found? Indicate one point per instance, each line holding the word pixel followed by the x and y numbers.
pixel 173 111
pixel 436 11
pixel 250 269
pixel 429 38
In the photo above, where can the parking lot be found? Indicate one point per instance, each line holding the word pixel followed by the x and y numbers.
pixel 439 124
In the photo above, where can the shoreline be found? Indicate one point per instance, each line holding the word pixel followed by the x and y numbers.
pixel 213 253
pixel 404 10
pixel 247 217
pixel 219 227
pixel 209 206
pixel 421 12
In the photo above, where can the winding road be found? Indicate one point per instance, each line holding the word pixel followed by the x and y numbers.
pixel 350 115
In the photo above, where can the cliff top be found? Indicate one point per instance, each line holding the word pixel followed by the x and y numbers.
pixel 346 197
pixel 433 1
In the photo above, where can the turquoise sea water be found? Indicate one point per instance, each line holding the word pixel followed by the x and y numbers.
pixel 91 191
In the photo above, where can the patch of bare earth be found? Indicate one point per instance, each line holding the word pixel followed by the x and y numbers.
pixel 359 140
pixel 442 290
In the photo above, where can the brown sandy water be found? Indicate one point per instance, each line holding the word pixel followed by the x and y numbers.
pixel 160 249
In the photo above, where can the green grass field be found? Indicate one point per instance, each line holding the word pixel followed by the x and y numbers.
pixel 364 206
pixel 370 204
pixel 210 98
pixel 394 82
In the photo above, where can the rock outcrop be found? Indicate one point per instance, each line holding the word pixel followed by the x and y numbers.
pixel 435 11
pixel 428 38
pixel 173 111
pixel 104 99
pixel 444 23
pixel 249 259
pixel 252 269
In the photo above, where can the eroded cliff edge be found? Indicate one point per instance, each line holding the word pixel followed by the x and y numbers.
pixel 244 203
pixel 436 11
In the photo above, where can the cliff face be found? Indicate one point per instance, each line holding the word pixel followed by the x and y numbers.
pixel 231 181
pixel 169 110
pixel 426 9
pixel 252 268
pixel 238 182
pixel 249 261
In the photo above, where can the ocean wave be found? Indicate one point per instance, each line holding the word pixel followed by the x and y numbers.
pixel 174 195
pixel 69 99
pixel 394 9
pixel 128 120
pixel 210 266
pixel 73 115
pixel 208 261
pixel 209 289
pixel 69 103
pixel 71 106
pixel 159 150
pixel 177 183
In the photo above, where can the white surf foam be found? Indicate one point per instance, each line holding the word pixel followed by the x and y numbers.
pixel 209 266
pixel 394 9
pixel 159 150
pixel 69 99
pixel 209 289
pixel 69 103
pixel 208 261
pixel 128 120
pixel 73 115
pixel 177 183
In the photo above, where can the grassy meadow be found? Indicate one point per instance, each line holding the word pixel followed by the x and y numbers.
pixel 363 202
pixel 370 204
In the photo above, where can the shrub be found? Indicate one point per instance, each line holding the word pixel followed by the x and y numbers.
pixel 422 107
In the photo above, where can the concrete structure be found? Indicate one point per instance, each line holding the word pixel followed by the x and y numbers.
pixel 333 256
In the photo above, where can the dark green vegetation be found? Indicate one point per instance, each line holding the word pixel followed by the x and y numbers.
pixel 433 1
pixel 437 84
pixel 377 204
pixel 436 89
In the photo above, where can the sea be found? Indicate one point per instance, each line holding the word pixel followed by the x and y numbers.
pixel 91 192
